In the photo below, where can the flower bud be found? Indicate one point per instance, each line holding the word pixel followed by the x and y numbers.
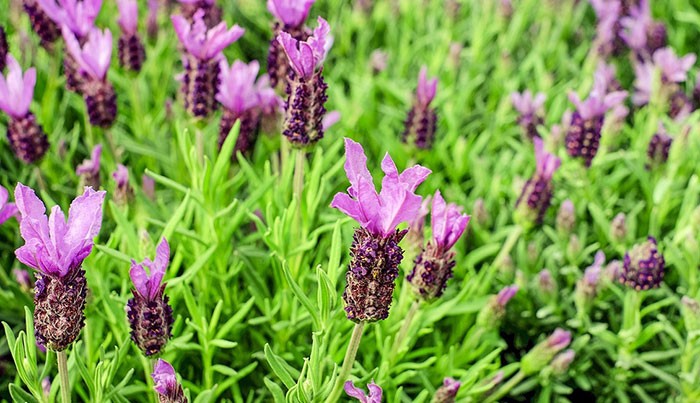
pixel 493 312
pixel 166 385
pixel 690 309
pixel 566 217
pixel 447 392
pixel 643 266
pixel 560 364
pixel 618 228
pixel 421 122
pixel 541 355
pixel 546 284
pixel 573 248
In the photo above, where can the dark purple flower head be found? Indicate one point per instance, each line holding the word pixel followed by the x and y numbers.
pixel 659 147
pixel 643 266
pixel 447 392
pixel 292 13
pixel 91 167
pixel 53 246
pixel 149 285
pixel 375 392
pixel 76 15
pixel 7 210
pixel 128 16
pixel 16 89
pixel 94 56
pixel 3 48
pixel 200 42
pixel 447 222
pixel 166 385
pixel 305 57
pixel 380 213
pixel 425 92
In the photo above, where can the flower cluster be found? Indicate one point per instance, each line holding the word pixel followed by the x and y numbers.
pixel 420 124
pixel 643 266
pixel 47 30
pixel 211 13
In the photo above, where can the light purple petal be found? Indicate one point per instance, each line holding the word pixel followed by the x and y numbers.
pixel 330 119
pixel 426 88
pixel 375 393
pixel 139 278
pixel 85 217
pixel 16 90
pixel 163 377
pixel 128 16
pixel 506 294
pixel 91 166
pixel 320 41
pixel 292 13
pixel 121 176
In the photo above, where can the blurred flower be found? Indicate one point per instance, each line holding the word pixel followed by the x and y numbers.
pixel 56 249
pixel 47 30
pixel 93 59
pixel 330 119
pixel 583 136
pixel 149 187
pixel 46 386
pixel 641 33
pixel 27 138
pixel 659 146
pixel 89 169
pixel 290 16
pixel 541 355
pixel 420 124
pixel 608 12
pixel 613 270
pixel 166 385
pixel 566 217
pixel 378 60
pixel 537 192
pixel 306 90
pixel 607 77
pixel 433 266
pixel 618 227
pixel 643 267
pixel 243 99
pixel 76 15
pixel 673 70
pixel 131 51
pixel 454 54
pixel 561 362
pixel 150 316
pixel 7 210
pixel 587 286
pixel 447 392
pixel 492 314
pixel 203 53
pixel 416 226
pixel 546 283
pixel 123 193
pixel 530 110
pixel 152 19
pixel 479 212
pixel 24 280
pixel 375 392
pixel 375 251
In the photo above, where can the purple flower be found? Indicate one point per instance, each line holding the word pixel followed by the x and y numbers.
pixel 597 103
pixel 506 294
pixel 536 195
pixel 546 282
pixel 447 392
pixel 23 279
pixel 77 15
pixel 641 33
pixel 673 70
pixel 421 121
pixel 128 16
pixel 659 147
pixel 562 361
pixel 375 392
pixel 166 384
pixel 559 339
pixel 238 90
pixel 42 24
pixel 379 213
pixel 149 285
pixel 149 186
pixel 305 57
pixel 7 210
pixel 53 246
pixel 121 176
pixel 46 386
pixel 542 354
pixel 566 217
pixel 330 119
pixel 643 266
pixel 202 43
pixel 425 92
pixel 608 28
pixel 530 110
pixel 292 13
pixel 587 286
pixel 447 221
pixel 16 90
pixel 91 167
pixel 95 55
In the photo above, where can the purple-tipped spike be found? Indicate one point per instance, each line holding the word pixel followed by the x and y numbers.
pixel 421 122
pixel 536 195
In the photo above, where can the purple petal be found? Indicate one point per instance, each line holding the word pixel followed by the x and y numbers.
pixel 128 16
pixel 163 377
pixel 16 90
pixel 330 119
pixel 292 13
pixel 426 88
pixel 355 165
pixel 139 278
pixel 85 217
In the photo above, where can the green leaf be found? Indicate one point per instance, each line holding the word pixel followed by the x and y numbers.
pixel 277 393
pixel 278 366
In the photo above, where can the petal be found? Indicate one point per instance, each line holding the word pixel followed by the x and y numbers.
pixel 27 255
pixel 290 47
pixel 33 220
pixel 163 376
pixel 307 60
pixel 414 176
pixel 375 393
pixel 85 216
pixel 355 164
pixel 438 219
pixel 354 391
pixel 139 278
pixel 8 211
pixel 350 207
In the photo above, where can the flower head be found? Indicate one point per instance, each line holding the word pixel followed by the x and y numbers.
pixel 673 68
pixel 95 55
pixel 305 57
pixel 7 210
pixel 166 384
pixel 598 102
pixel 381 212
pixel 526 104
pixel 375 392
pixel 607 29
pixel 425 92
pixel 547 163
pixel 238 90
pixel 447 222
pixel 447 392
pixel 643 266
pixel 16 90
pixel 641 33
pixel 128 16
pixel 53 246
pixel 91 166
pixel 203 43
pixel 77 15
pixel 149 285
pixel 292 13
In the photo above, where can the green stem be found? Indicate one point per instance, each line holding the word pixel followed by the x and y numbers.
pixel 63 374
pixel 508 246
pixel 403 332
pixel 503 390
pixel 347 362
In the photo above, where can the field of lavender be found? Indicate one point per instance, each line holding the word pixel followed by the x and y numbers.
pixel 331 201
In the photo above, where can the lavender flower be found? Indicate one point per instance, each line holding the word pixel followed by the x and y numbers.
pixel 566 217
pixel 27 138
pixel 375 251
pixel 7 210
pixel 56 249
pixel 643 267
pixel 378 61
pixel 212 13
pixel 674 70
pixel 546 283
pixel 541 355
pixel 420 124
pixel 123 192
pixel 583 136
pixel 166 385
pixel 152 19
pixel 659 147
pixel 608 40
pixel 433 266
pixel 149 187
pixel 537 192
pixel 447 392
pixel 530 110
pixel 150 316
pixel 493 312
pixel 618 227
pixel 587 286
pixel 290 17
pixel 562 361
pixel 375 392
pixel 89 169
pixel 4 50
pixel 130 48
pixel 243 99
pixel 92 59
pixel 23 279
pixel 201 59
pixel 46 387
pixel 306 89
pixel 641 33
pixel 47 30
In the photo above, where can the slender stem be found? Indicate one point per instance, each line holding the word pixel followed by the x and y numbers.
pixel 63 374
pixel 347 362
pixel 508 245
pixel 503 390
pixel 403 332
